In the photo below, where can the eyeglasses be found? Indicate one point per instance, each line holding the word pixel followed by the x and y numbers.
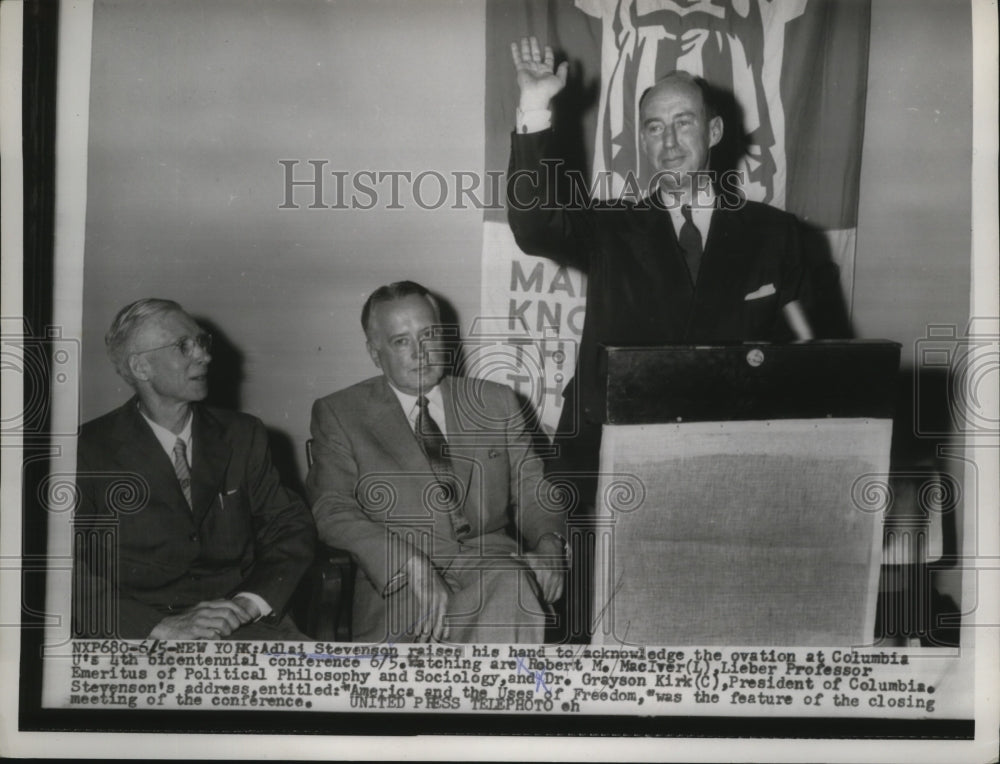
pixel 186 345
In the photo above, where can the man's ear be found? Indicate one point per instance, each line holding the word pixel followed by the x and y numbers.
pixel 138 367
pixel 714 131
pixel 373 352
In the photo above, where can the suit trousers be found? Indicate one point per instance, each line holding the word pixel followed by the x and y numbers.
pixel 493 598
pixel 284 628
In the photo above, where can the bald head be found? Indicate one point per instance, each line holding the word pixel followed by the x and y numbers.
pixel 678 125
pixel 696 86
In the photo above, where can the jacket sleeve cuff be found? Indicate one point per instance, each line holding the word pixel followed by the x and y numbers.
pixel 262 606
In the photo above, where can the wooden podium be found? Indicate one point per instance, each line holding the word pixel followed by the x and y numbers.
pixel 729 505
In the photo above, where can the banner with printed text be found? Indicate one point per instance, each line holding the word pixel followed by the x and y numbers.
pixel 797 73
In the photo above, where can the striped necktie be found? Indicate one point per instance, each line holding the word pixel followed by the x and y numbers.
pixel 182 469
pixel 432 443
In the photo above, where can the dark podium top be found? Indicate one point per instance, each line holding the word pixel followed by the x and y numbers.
pixel 752 380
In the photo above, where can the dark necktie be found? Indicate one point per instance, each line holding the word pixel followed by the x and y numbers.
pixel 690 240
pixel 182 469
pixel 432 443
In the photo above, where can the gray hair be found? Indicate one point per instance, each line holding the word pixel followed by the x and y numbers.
pixel 128 321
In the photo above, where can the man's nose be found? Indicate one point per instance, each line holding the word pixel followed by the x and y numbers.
pixel 669 136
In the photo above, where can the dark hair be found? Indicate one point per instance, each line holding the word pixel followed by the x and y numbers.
pixel 707 91
pixel 394 291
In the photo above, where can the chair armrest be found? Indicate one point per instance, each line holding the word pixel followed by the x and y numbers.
pixel 322 604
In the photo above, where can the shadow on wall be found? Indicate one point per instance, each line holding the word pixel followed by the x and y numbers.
pixel 451 336
pixel 572 104
pixel 457 351
pixel 225 382
pixel 922 424
pixel 924 492
pixel 225 373
pixel 828 314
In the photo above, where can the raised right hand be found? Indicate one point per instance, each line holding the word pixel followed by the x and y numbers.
pixel 536 76
pixel 206 620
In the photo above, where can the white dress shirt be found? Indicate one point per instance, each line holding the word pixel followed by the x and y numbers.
pixel 167 440
pixel 435 406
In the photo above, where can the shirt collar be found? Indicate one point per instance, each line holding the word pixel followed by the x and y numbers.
pixel 701 211
pixel 435 402
pixel 704 201
pixel 167 439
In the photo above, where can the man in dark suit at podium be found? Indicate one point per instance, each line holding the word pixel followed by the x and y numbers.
pixel 684 265
pixel 688 264
pixel 184 530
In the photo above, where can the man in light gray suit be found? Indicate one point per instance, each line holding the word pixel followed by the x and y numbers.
pixel 420 476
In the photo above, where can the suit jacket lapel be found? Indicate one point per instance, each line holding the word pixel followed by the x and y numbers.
pixel 212 453
pixel 654 243
pixel 721 274
pixel 392 430
pixel 139 451
pixel 390 427
pixel 457 432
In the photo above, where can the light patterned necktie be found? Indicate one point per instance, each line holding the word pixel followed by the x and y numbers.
pixel 182 469
pixel 689 238
pixel 432 443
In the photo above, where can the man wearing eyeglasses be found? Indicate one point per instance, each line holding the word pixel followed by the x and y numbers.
pixel 183 528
